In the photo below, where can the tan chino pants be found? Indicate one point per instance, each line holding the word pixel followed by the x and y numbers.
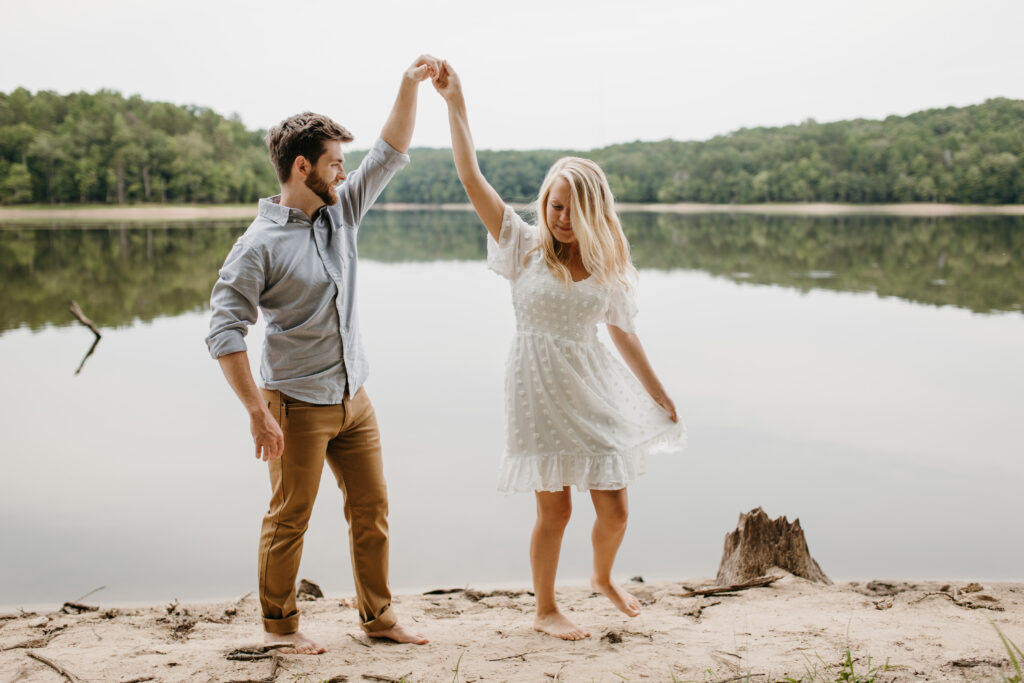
pixel 346 436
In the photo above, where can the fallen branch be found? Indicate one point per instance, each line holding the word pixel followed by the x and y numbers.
pixel 969 604
pixel 140 679
pixel 256 652
pixel 77 312
pixel 386 679
pixel 77 608
pixel 55 666
pixel 716 590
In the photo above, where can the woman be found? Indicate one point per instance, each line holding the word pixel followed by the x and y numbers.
pixel 574 414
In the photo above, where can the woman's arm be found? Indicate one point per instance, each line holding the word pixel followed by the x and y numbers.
pixel 632 352
pixel 489 206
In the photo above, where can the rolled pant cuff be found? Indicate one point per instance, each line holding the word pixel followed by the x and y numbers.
pixel 383 622
pixel 281 627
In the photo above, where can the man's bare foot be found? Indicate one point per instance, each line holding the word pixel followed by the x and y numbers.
pixel 399 634
pixel 558 625
pixel 626 603
pixel 299 642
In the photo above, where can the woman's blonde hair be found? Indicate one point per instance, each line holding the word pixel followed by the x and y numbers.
pixel 595 224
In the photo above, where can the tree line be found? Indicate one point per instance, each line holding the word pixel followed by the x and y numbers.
pixel 104 147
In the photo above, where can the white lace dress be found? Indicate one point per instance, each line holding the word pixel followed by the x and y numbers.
pixel 574 414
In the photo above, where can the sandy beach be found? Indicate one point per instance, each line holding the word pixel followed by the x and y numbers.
pixel 155 212
pixel 792 628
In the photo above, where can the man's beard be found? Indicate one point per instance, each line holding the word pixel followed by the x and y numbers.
pixel 323 189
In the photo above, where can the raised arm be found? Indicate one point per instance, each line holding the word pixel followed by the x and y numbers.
pixel 489 206
pixel 632 352
pixel 397 130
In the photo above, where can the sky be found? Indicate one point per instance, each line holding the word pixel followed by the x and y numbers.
pixel 536 73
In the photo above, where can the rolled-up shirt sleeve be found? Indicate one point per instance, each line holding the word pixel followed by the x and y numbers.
pixel 365 184
pixel 235 300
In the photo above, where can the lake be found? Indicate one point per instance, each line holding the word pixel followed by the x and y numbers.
pixel 865 374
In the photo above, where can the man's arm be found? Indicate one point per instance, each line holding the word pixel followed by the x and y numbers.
pixel 266 433
pixel 234 307
pixel 397 130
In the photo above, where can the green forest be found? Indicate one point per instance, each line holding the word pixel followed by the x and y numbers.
pixel 111 149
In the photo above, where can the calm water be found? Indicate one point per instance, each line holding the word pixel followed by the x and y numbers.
pixel 865 375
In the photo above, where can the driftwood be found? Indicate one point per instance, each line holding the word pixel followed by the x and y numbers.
pixel 759 543
pixel 78 608
pixel 77 312
pixel 55 666
pixel 716 590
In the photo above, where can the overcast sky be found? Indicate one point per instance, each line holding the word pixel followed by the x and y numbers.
pixel 537 73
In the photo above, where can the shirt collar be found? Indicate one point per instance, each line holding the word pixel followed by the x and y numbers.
pixel 270 208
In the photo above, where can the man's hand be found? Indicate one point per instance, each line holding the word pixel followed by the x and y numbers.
pixel 423 68
pixel 447 83
pixel 266 434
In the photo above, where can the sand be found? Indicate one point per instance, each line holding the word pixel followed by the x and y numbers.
pixel 925 631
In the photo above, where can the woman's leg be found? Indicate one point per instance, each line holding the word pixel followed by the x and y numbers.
pixel 612 509
pixel 553 511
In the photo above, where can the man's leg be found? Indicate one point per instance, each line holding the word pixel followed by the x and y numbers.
pixel 354 456
pixel 294 479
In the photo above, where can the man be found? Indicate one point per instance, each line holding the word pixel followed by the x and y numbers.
pixel 297 263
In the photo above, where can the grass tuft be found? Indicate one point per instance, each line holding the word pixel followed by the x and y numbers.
pixel 1016 657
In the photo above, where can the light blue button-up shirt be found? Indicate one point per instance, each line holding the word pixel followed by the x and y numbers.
pixel 302 275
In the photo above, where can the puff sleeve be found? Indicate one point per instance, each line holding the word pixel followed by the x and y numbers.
pixel 622 308
pixel 516 239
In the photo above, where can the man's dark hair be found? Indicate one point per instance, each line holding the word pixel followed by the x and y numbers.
pixel 302 135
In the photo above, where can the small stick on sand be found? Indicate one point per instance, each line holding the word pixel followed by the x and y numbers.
pixel 56 667
pixel 521 655
pixel 94 590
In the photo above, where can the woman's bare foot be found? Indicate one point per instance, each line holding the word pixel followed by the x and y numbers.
pixel 399 634
pixel 299 642
pixel 558 625
pixel 626 603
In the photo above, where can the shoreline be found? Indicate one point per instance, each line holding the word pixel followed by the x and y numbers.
pixel 158 212
pixel 925 631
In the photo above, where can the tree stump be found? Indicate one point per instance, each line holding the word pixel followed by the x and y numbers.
pixel 760 543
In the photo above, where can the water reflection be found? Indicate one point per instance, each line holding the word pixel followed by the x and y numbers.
pixel 127 272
